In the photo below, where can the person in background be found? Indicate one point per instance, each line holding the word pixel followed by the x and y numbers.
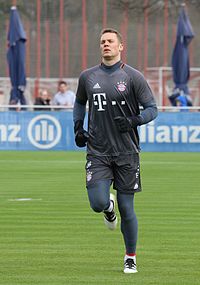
pixel 64 96
pixel 43 100
pixel 114 91
pixel 180 99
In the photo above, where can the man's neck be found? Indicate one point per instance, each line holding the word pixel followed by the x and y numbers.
pixel 110 68
pixel 111 61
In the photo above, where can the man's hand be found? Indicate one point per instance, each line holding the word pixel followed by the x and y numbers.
pixel 81 138
pixel 81 135
pixel 125 124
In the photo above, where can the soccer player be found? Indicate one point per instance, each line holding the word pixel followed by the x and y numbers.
pixel 114 92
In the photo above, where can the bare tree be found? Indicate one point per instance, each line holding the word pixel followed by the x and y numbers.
pixel 154 6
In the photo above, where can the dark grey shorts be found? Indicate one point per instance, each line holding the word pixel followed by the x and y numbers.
pixel 123 170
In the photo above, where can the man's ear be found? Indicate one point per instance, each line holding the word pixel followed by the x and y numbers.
pixel 121 47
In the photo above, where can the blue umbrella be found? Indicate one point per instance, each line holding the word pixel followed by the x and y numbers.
pixel 180 56
pixel 16 57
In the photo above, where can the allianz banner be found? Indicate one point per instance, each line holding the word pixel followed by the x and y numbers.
pixel 177 131
pixel 36 130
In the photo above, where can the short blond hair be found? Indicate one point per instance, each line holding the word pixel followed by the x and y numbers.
pixel 113 31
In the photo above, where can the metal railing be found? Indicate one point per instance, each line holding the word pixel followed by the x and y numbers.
pixel 56 107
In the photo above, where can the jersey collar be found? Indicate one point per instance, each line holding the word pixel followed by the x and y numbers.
pixel 111 68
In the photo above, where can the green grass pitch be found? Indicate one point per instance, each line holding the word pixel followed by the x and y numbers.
pixel 56 239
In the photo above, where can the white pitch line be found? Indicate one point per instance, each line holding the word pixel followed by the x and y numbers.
pixel 24 199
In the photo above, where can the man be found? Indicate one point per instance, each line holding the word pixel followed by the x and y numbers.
pixel 43 99
pixel 64 97
pixel 114 92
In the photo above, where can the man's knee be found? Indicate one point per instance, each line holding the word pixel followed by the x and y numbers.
pixel 98 194
pixel 126 213
pixel 126 208
pixel 98 206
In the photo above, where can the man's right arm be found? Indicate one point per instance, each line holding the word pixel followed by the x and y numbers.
pixel 78 111
pixel 81 135
pixel 80 100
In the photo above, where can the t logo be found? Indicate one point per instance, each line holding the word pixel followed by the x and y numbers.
pixel 100 100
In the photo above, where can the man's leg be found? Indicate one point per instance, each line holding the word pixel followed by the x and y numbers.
pixel 102 201
pixel 129 229
pixel 99 195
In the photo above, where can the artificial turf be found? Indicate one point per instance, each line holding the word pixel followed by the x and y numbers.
pixel 53 237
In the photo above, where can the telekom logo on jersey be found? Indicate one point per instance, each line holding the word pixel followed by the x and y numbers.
pixel 100 100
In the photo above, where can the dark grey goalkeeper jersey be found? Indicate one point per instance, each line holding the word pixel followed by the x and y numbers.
pixel 110 92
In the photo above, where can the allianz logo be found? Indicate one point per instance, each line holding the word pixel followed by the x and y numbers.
pixel 152 133
pixel 43 132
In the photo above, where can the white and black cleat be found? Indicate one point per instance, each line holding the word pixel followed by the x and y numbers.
pixel 110 218
pixel 130 264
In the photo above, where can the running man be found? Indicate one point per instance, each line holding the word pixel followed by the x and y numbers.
pixel 114 92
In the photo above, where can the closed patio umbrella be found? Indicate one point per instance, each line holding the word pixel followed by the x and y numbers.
pixel 16 58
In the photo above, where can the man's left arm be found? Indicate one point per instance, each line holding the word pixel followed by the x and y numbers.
pixel 146 99
pixel 148 113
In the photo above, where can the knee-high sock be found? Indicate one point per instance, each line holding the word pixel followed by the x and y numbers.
pixel 129 225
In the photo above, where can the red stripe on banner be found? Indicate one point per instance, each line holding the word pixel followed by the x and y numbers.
pixel 47 53
pixel 84 35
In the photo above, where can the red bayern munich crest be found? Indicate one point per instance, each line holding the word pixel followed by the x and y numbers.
pixel 121 86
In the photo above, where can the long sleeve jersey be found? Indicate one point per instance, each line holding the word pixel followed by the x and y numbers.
pixel 112 91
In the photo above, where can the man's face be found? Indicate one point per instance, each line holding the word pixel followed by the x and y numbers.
pixel 44 95
pixel 62 88
pixel 110 46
